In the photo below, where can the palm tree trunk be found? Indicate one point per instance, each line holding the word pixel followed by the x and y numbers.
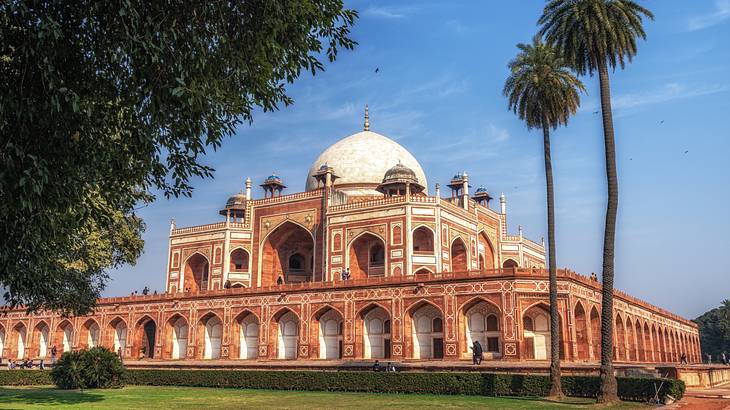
pixel 609 386
pixel 556 390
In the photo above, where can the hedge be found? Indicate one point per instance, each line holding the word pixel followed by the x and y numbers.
pixel 488 384
pixel 19 377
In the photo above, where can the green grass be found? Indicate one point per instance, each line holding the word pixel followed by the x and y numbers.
pixel 147 397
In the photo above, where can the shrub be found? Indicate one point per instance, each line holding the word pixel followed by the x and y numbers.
pixel 488 384
pixel 95 368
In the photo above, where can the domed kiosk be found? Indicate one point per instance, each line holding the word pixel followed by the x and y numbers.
pixel 360 161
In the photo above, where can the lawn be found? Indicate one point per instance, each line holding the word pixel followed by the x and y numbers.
pixel 144 397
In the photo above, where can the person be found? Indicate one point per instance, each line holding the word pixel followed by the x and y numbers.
pixel 280 281
pixel 376 366
pixel 146 291
pixel 344 275
pixel 477 352
pixel 683 359
pixel 723 358
pixel 119 353
pixel 347 274
pixel 155 292
pixel 54 353
pixel 10 365
pixel 391 367
pixel 41 365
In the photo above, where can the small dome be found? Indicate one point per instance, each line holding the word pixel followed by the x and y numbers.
pixel 400 173
pixel 237 200
pixel 481 189
pixel 273 178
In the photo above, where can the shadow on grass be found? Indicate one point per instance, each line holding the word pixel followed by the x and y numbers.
pixel 47 396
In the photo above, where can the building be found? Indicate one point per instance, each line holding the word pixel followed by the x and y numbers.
pixel 364 264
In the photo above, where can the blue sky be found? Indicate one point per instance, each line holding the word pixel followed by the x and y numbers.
pixel 438 93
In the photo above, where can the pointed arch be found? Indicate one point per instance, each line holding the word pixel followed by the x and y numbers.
pixel 2 340
pixel 648 347
pixel 144 337
pixel 481 320
pixel 487 255
pixel 286 325
pixel 327 328
pixel 19 340
pixel 276 249
pixel 245 335
pixel 595 329
pixel 510 263
pixel 365 256
pixel 423 271
pixel 196 273
pixel 239 260
pixel 64 336
pixel 423 239
pixel 425 321
pixel 210 336
pixel 176 333
pixel 115 336
pixel 631 354
pixel 373 331
pixel 459 255
pixel 581 331
pixel 41 339
pixel 536 332
pixel 90 335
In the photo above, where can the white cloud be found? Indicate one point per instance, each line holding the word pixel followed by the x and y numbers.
pixel 498 134
pixel 387 12
pixel 719 15
pixel 669 92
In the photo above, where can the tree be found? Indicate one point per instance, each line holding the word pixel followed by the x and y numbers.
pixel 543 92
pixel 104 103
pixel 715 330
pixel 593 35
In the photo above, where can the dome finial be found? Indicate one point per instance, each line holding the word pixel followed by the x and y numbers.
pixel 367 119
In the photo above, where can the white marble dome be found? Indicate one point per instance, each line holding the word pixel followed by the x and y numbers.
pixel 363 159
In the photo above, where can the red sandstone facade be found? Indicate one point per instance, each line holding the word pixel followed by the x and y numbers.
pixel 426 277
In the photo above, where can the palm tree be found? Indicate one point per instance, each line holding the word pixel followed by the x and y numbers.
pixel 593 35
pixel 543 92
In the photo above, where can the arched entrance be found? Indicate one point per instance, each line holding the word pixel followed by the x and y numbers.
pixel 536 324
pixel 287 335
pixel 2 340
pixel 486 253
pixel 423 240
pixel 90 334
pixel 64 337
pixel 596 333
pixel 648 351
pixel 581 332
pixel 211 328
pixel 483 325
pixel 248 336
pixel 41 337
pixel 330 335
pixel 118 330
pixel 19 335
pixel 287 253
pixel 458 256
pixel 239 260
pixel 195 277
pixel 427 327
pixel 640 344
pixel 367 257
pixel 177 333
pixel 536 333
pixel 376 334
pixel 620 344
pixel 510 263
pixel 145 334
pixel 630 341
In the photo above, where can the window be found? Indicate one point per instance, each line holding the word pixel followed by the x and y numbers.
pixel 438 325
pixel 296 262
pixel 492 323
pixel 527 323
pixel 493 344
